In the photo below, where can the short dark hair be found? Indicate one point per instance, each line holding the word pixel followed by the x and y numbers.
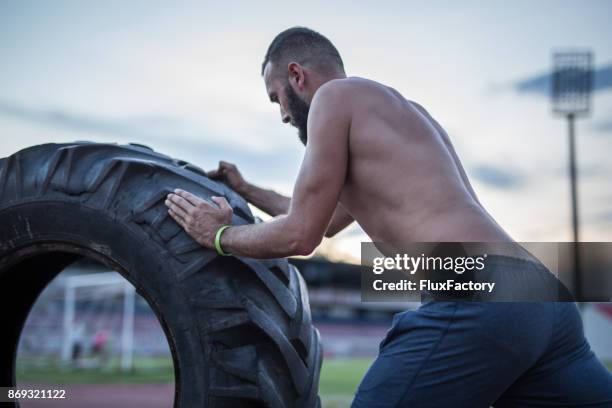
pixel 302 45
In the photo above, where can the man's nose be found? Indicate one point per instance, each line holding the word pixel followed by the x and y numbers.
pixel 285 116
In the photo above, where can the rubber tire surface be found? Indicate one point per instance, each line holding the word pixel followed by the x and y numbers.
pixel 239 329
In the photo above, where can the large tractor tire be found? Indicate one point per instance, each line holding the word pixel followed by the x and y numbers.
pixel 239 329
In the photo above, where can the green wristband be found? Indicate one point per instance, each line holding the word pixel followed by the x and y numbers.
pixel 218 240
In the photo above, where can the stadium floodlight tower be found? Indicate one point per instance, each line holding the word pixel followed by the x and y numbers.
pixel 571 97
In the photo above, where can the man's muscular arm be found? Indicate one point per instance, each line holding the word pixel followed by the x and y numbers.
pixel 269 201
pixel 339 221
pixel 316 191
pixel 315 196
pixel 275 204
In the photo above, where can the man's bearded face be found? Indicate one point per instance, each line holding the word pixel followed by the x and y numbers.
pixel 298 110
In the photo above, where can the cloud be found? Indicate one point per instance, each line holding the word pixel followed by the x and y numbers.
pixel 603 126
pixel 136 127
pixel 541 84
pixel 165 134
pixel 603 216
pixel 497 177
pixel 147 128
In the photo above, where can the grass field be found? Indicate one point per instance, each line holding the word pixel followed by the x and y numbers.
pixel 152 370
pixel 338 382
pixel 339 377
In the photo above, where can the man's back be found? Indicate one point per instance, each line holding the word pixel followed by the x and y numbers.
pixel 404 182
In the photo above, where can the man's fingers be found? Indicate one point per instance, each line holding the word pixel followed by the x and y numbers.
pixel 178 218
pixel 193 199
pixel 177 208
pixel 178 201
pixel 222 203
pixel 213 174
pixel 218 172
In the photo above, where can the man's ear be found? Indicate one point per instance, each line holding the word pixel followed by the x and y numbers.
pixel 296 75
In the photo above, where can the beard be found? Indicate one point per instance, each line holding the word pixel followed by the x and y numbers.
pixel 298 109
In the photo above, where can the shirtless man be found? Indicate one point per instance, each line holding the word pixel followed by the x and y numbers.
pixel 377 158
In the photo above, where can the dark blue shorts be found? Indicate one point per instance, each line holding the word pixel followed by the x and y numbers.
pixel 481 354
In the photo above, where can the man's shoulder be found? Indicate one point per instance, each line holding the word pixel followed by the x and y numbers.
pixel 343 93
pixel 333 89
pixel 356 90
pixel 347 85
pixel 333 98
pixel 333 105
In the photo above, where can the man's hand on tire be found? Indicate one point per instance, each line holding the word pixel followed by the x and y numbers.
pixel 198 217
pixel 228 173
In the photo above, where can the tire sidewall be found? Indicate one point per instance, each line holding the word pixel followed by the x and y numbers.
pixel 35 225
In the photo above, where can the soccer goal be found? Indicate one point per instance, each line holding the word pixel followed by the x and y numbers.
pixel 99 285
